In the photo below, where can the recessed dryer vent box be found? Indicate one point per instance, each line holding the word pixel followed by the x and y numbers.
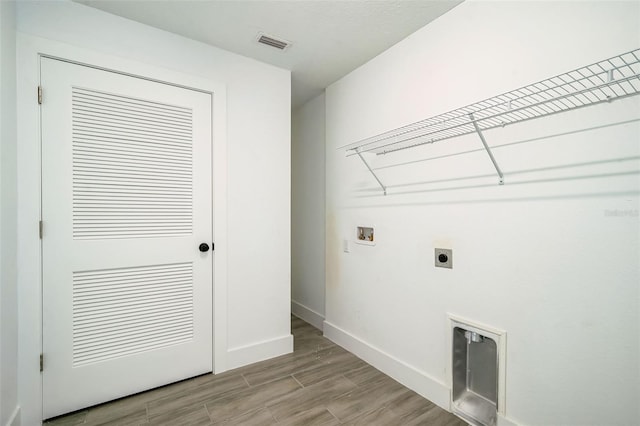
pixel 365 235
pixel 477 373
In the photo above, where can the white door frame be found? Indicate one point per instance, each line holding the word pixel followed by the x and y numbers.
pixel 29 51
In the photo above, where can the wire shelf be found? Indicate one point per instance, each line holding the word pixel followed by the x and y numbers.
pixel 603 81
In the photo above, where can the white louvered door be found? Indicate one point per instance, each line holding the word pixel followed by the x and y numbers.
pixel 126 202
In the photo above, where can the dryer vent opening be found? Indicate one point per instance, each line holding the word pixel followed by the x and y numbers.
pixel 477 372
pixel 475 377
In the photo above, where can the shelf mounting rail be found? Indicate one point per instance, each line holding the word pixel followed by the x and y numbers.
pixel 604 81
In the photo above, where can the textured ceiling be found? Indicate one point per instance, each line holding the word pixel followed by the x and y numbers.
pixel 329 38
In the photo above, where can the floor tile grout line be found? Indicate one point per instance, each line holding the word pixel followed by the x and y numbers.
pixel 333 415
pixel 297 381
pixel 246 381
pixel 208 412
pixel 271 414
pixel 346 378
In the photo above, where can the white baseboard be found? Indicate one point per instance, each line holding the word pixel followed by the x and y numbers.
pixel 307 314
pixel 14 420
pixel 411 377
pixel 245 355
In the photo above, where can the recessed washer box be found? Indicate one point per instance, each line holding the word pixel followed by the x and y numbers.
pixel 365 235
pixel 444 258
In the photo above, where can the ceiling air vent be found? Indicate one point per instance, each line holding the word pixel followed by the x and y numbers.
pixel 273 42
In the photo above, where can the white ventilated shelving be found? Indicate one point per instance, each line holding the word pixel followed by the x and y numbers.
pixel 601 82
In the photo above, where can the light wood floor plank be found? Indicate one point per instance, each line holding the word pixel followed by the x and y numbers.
pixel 308 398
pixel 258 417
pixel 183 416
pixel 207 390
pixel 223 409
pixel 315 417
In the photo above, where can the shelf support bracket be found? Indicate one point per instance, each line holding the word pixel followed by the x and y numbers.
pixel 486 147
pixel 384 188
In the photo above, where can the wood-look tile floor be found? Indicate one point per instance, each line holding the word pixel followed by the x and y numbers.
pixel 318 384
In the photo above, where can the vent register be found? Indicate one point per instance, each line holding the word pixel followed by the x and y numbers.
pixel 132 178
pixel 273 42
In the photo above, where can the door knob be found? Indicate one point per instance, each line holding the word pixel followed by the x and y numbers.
pixel 204 247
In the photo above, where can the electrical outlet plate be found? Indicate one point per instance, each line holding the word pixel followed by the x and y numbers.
pixel 444 258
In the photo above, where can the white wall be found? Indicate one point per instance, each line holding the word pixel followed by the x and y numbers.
pixel 8 218
pixel 307 211
pixel 552 257
pixel 258 162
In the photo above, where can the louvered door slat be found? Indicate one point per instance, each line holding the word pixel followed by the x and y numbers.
pixel 123 291
pixel 114 157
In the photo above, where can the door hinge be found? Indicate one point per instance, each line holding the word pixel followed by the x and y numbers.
pixel 213 246
pixel 40 226
pixel 41 362
pixel 39 95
